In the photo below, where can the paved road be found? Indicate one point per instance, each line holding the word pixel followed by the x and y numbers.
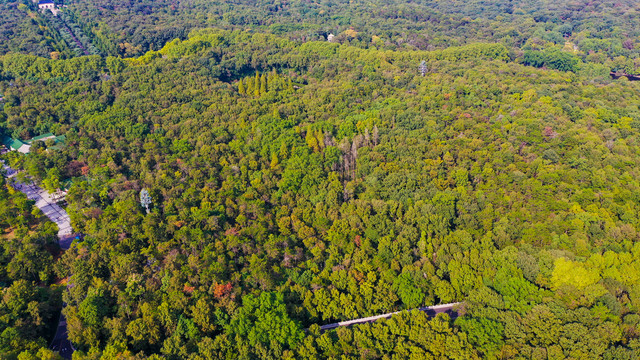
pixel 60 342
pixel 47 205
pixel 58 215
pixel 430 310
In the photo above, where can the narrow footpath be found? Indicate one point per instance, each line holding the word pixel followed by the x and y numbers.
pixel 58 215
pixel 431 311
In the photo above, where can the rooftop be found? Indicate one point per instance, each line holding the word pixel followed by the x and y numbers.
pixel 25 146
pixel 41 137
pixel 11 143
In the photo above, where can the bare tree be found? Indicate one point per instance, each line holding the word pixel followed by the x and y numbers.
pixel 375 135
pixel 423 68
pixel 367 137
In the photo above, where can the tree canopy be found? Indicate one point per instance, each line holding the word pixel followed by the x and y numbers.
pixel 293 182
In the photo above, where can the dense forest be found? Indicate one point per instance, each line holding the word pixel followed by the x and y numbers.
pixel 431 154
pixel 595 31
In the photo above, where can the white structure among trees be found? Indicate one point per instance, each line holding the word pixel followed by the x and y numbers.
pixel 47 5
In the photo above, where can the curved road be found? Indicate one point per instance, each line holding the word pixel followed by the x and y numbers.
pixel 58 215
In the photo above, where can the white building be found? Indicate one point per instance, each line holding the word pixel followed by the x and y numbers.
pixel 47 5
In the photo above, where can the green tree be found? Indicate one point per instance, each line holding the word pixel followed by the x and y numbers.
pixel 263 319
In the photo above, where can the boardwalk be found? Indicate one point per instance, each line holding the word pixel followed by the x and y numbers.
pixel 430 310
